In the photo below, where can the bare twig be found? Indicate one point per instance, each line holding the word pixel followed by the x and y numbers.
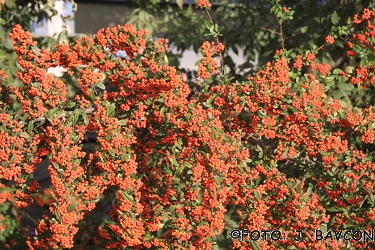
pixel 271 31
pixel 369 194
pixel 281 36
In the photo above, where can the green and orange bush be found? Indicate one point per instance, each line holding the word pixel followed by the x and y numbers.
pixel 275 152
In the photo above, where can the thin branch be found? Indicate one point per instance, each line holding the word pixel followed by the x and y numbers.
pixel 63 114
pixel 321 47
pixel 277 33
pixel 339 61
pixel 254 141
pixel 217 40
pixel 281 36
pixel 271 31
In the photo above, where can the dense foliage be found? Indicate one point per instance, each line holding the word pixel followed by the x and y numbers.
pixel 247 26
pixel 272 152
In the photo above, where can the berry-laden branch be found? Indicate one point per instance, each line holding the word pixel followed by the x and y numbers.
pixel 208 64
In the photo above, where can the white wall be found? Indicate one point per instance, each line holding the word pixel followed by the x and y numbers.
pixel 50 28
pixel 65 8
pixel 53 27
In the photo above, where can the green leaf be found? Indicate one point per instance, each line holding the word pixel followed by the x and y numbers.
pixel 187 164
pixel 335 19
pixel 85 118
pixel 24 117
pixel 53 198
pixel 346 87
pixel 106 103
pixel 179 170
pixel 213 134
pixel 111 110
pixel 166 59
pixel 323 227
pixel 260 154
pixel 12 158
pixel 123 157
pixel 158 209
pixel 309 191
pixel 329 79
pixel 76 114
pixel 69 105
pixel 111 152
pixel 255 245
pixel 25 135
pixel 30 126
pixel 72 207
pixel 207 24
pixel 142 15
pixel 172 208
pixel 179 142
pixel 212 29
pixel 100 85
pixel 58 215
pixel 304 29
pixel 337 71
pixel 127 196
pixel 362 63
pixel 63 38
pixel 333 209
pixel 216 27
pixel 122 122
pixel 162 110
pixel 174 162
pixel 180 3
pixel 92 94
pixel 371 57
pixel 357 49
pixel 257 195
pixel 349 69
pixel 35 50
pixel 291 248
pixel 262 114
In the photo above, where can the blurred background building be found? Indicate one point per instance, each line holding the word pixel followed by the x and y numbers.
pixel 92 15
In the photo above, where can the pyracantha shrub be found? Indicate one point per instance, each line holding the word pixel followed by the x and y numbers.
pixel 275 149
